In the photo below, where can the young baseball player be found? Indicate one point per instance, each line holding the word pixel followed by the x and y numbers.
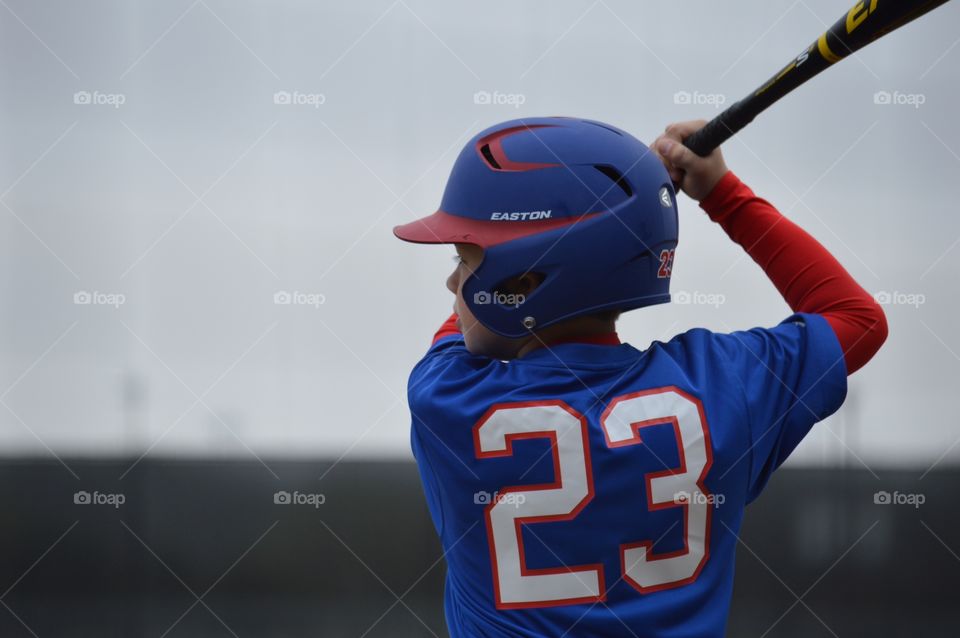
pixel 581 486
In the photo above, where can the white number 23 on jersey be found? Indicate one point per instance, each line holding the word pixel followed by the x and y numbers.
pixel 515 585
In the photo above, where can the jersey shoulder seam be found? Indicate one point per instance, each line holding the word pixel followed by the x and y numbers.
pixel 749 418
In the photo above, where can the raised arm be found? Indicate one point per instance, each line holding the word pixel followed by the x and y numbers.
pixel 808 277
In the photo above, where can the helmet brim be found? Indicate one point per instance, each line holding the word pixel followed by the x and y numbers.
pixel 443 228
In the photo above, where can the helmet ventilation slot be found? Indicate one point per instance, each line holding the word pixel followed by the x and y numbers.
pixel 616 177
pixel 488 155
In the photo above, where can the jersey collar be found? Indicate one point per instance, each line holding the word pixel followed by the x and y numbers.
pixel 603 339
pixel 603 351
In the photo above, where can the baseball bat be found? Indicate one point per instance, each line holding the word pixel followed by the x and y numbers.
pixel 867 21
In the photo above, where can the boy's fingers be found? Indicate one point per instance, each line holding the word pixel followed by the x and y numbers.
pixel 675 174
pixel 682 130
pixel 655 149
pixel 679 156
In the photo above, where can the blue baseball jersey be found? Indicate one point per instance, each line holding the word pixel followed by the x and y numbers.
pixel 597 490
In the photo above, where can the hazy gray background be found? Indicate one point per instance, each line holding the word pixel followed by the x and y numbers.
pixel 199 197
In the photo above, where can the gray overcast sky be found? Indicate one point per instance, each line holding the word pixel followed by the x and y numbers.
pixel 149 155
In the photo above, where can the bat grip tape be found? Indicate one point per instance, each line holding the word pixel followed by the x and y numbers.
pixel 718 130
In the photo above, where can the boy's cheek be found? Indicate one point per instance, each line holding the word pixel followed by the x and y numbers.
pixel 462 308
pixel 453 282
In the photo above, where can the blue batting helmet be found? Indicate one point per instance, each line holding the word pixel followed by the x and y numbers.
pixel 583 203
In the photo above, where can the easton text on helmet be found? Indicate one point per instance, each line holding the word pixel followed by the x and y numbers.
pixel 518 216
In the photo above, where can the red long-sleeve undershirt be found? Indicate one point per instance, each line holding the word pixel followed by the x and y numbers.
pixel 448 328
pixel 808 277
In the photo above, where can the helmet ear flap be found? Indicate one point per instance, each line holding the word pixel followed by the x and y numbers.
pixel 508 295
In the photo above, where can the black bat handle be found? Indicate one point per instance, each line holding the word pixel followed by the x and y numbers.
pixel 718 130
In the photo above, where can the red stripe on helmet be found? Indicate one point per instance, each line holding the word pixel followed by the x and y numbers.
pixel 495 143
pixel 444 228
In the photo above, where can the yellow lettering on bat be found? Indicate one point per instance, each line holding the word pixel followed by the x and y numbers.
pixel 859 13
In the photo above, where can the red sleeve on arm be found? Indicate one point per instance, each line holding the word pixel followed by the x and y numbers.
pixel 448 328
pixel 809 278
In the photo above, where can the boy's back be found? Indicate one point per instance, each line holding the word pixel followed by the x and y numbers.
pixel 556 520
pixel 580 486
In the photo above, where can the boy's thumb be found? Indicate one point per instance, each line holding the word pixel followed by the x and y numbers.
pixel 678 154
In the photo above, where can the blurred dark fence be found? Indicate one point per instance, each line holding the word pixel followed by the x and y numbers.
pixel 200 548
